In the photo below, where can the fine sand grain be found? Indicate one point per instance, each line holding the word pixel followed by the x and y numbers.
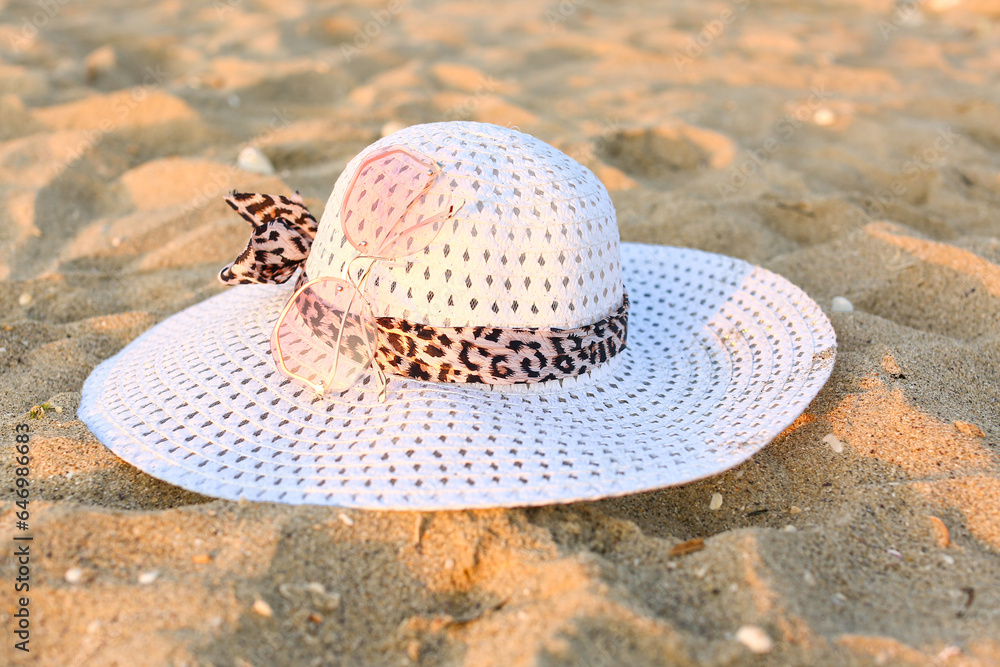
pixel 852 146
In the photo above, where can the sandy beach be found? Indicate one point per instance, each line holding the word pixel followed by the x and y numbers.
pixel 851 146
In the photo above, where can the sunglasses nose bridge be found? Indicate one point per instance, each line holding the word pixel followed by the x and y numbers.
pixel 346 274
pixel 359 281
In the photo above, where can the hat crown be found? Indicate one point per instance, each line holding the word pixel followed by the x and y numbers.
pixel 534 243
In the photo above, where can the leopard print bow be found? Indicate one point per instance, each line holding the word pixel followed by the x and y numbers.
pixel 283 232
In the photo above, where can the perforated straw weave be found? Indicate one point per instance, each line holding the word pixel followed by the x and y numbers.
pixel 721 356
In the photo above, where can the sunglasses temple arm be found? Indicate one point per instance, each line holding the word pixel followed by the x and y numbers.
pixel 340 334
pixel 383 381
pixel 436 219
pixel 394 233
pixel 439 218
pixel 359 286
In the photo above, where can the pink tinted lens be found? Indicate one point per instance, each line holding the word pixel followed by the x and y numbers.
pixel 385 211
pixel 325 336
pixel 419 226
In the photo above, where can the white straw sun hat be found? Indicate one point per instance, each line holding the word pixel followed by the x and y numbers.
pixel 720 355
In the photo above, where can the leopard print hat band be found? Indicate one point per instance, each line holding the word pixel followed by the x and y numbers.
pixel 498 355
pixel 482 354
pixel 283 231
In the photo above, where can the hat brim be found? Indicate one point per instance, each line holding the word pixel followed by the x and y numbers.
pixel 721 357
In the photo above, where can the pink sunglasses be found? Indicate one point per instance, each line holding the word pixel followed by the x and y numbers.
pixel 326 334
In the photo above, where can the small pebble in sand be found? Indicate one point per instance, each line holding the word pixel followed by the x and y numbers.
pixel 252 159
pixel 911 19
pixel 969 429
pixel 687 547
pixel 941 533
pixel 948 652
pixel 201 559
pixel 418 530
pixel 833 442
pixel 413 650
pixel 808 577
pixel 346 520
pixel 74 575
pixel 794 510
pixel 449 564
pixel 116 242
pixel 262 608
pixel 790 528
pixel 890 366
pixel 824 117
pixel 25 299
pixel 755 639
pixel 842 305
pixel 148 577
pixel 716 502
pixel 101 60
